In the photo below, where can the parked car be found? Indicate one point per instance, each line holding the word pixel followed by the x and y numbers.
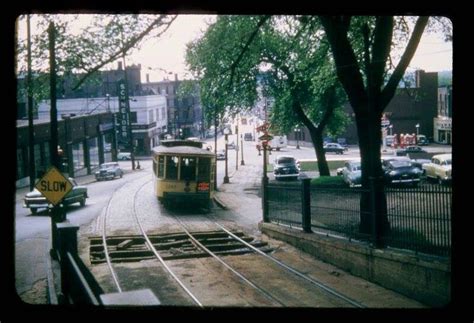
pixel 334 148
pixel 124 155
pixel 439 168
pixel 410 150
pixel 422 140
pixel 352 174
pixel 401 171
pixel 220 155
pixel 248 136
pixel 286 167
pixel 35 200
pixel 108 171
pixel 231 145
pixel 419 163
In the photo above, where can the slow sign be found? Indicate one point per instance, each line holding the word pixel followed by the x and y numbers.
pixel 54 186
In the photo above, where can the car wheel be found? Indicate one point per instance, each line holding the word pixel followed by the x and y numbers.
pixel 83 201
pixel 33 210
pixel 121 175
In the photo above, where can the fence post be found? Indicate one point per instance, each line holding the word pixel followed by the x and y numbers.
pixel 265 199
pixel 306 204
pixel 67 242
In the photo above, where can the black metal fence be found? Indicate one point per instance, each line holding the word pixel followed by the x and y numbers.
pixel 419 218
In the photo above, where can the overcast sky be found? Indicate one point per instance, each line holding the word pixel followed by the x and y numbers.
pixel 168 52
pixel 432 55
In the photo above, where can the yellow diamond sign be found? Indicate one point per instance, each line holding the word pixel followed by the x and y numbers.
pixel 54 186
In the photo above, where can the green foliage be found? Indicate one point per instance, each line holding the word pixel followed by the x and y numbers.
pixel 84 44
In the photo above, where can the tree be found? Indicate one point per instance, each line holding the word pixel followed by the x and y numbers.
pixel 361 49
pixel 85 44
pixel 232 55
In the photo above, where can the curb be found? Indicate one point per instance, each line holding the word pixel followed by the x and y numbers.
pixel 220 203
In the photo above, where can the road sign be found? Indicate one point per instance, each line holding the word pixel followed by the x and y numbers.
pixel 263 127
pixel 265 137
pixel 54 186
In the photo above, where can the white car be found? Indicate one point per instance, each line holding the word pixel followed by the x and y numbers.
pixel 439 168
pixel 124 155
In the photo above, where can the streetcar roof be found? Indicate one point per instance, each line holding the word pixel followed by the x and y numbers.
pixel 189 150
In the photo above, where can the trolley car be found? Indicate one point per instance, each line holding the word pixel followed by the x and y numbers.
pixel 183 173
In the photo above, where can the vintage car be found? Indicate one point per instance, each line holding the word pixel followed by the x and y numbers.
pixel 412 150
pixel 286 167
pixel 439 168
pixel 108 171
pixel 334 148
pixel 351 173
pixel 420 162
pixel 34 200
pixel 220 155
pixel 124 155
pixel 401 171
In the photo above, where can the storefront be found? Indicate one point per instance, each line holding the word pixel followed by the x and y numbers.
pixel 442 130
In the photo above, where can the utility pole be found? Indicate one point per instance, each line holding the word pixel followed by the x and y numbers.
pixel 129 122
pixel 215 147
pixel 52 85
pixel 31 135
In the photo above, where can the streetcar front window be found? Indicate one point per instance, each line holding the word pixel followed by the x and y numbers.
pixel 188 168
pixel 204 167
pixel 172 167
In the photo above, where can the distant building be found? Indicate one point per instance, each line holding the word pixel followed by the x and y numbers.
pixel 442 124
pixel 148 115
pixel 409 107
pixel 185 117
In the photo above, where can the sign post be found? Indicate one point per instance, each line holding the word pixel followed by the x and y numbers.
pixel 54 186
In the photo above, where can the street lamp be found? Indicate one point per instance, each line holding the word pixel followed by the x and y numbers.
pixel 242 152
pixel 417 129
pixel 226 140
pixel 390 129
pixel 297 136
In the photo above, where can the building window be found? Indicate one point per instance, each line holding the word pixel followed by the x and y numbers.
pixel 93 152
pixel 78 156
pixel 151 116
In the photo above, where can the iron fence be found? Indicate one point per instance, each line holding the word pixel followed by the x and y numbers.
pixel 419 217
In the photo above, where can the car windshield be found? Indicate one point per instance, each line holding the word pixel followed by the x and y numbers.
pixel 447 162
pixel 286 160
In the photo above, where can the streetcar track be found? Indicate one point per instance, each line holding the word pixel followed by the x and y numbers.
pixel 195 241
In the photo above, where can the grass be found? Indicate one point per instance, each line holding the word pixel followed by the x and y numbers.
pixel 312 166
pixel 328 181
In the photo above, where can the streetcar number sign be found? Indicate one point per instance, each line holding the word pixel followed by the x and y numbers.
pixel 54 186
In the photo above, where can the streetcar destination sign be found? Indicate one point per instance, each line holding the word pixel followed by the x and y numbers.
pixel 54 185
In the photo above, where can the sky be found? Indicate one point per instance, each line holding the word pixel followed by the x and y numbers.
pixel 168 53
pixel 165 56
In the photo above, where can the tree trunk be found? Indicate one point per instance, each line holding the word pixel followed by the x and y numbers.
pixel 317 139
pixel 373 203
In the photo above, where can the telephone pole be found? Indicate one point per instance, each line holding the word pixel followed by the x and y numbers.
pixel 31 136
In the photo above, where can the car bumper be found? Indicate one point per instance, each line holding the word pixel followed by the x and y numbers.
pixel 408 180
pixel 286 175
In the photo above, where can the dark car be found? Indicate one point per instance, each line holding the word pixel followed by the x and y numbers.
pixel 410 150
pixel 401 171
pixel 334 148
pixel 286 167
pixel 34 200
pixel 108 171
pixel 248 136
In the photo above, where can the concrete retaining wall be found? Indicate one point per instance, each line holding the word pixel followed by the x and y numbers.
pixel 424 278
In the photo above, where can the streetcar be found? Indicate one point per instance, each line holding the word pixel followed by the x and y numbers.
pixel 183 173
